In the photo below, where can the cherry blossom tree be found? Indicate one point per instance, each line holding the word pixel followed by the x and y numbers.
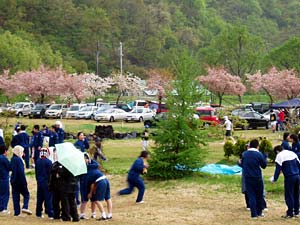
pixel 221 82
pixel 96 85
pixel 75 88
pixel 160 80
pixel 126 83
pixel 37 84
pixel 277 84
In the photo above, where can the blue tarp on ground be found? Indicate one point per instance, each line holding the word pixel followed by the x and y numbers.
pixel 216 169
pixel 221 169
pixel 292 103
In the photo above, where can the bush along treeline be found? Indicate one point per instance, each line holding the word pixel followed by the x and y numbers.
pixel 72 32
pixel 239 147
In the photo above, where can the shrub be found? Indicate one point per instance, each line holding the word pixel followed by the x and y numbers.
pixel 228 149
pixel 266 147
pixel 239 147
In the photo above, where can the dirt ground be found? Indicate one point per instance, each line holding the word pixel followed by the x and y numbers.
pixel 170 202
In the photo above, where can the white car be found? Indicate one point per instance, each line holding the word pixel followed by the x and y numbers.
pixel 56 111
pixel 75 108
pixel 139 114
pixel 111 115
pixel 22 108
pixel 86 112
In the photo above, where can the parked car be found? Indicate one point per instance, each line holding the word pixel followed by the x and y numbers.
pixel 260 107
pixel 139 114
pixel 75 108
pixel 56 111
pixel 86 112
pixel 101 109
pixel 111 115
pixel 38 111
pixel 123 106
pixel 241 111
pixel 207 115
pixel 22 108
pixel 255 120
pixel 152 123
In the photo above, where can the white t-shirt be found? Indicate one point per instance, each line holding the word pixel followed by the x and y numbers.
pixel 228 125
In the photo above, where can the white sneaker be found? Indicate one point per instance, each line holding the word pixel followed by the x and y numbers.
pixel 248 209
pixel 93 216
pixel 141 202
pixel 4 212
pixel 83 217
pixel 266 209
pixel 27 211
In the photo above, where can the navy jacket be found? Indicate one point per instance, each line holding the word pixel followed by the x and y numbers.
pixel 252 162
pixel 38 139
pixel 286 145
pixel 42 170
pixel 53 139
pixel 296 148
pixel 61 135
pixel 1 141
pixel 23 139
pixel 136 169
pixel 4 167
pixel 93 173
pixel 287 162
pixel 18 174
pixel 15 141
pixel 82 145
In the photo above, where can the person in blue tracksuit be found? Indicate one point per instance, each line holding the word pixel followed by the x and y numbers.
pixel 43 167
pixel 37 144
pixel 82 142
pixel 2 141
pixel 53 136
pixel 134 179
pixel 5 167
pixel 15 138
pixel 285 142
pixel 84 187
pixel 295 144
pixel 288 163
pixel 60 132
pixel 252 162
pixel 18 181
pixel 23 140
pixel 45 130
pixel 99 190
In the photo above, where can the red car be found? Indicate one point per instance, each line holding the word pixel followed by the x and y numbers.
pixel 207 115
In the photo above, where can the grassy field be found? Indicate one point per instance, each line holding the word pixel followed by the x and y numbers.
pixel 201 199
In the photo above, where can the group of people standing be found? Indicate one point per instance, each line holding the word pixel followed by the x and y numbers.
pixel 287 163
pixel 58 189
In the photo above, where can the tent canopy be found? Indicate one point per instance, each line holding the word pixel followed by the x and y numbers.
pixel 292 103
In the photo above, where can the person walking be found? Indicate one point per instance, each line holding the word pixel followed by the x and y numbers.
pixel 18 182
pixel 134 180
pixel 252 162
pixel 288 163
pixel 5 168
pixel 229 128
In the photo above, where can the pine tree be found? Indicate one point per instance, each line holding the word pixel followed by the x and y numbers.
pixel 179 139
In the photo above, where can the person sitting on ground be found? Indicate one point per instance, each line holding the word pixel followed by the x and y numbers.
pixel 18 181
pixel 97 150
pixel 288 163
pixel 285 142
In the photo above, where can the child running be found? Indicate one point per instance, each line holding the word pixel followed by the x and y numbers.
pixel 134 180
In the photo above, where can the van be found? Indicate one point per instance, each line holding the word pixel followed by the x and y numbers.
pixel 22 108
pixel 56 111
pixel 75 108
pixel 207 116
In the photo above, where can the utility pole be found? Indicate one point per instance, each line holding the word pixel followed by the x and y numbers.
pixel 121 58
pixel 97 59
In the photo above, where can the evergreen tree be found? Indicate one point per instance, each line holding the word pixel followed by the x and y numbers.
pixel 179 140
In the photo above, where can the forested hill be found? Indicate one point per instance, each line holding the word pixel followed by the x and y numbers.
pixel 66 32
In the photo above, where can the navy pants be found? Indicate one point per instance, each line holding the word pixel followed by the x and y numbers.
pixel 26 157
pixel 132 183
pixel 16 192
pixel 36 155
pixel 291 194
pixel 44 196
pixel 4 194
pixel 255 192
